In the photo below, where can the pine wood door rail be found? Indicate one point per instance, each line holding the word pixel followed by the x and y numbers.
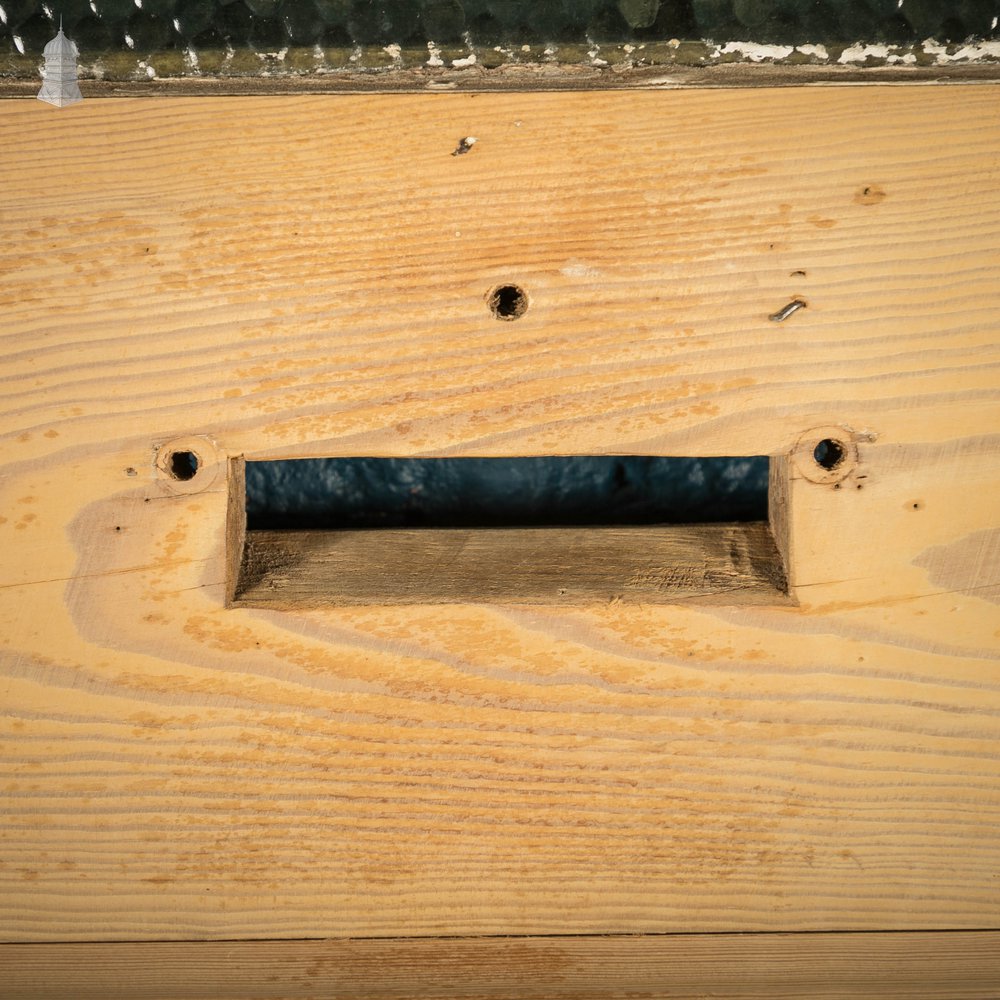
pixel 956 965
pixel 190 284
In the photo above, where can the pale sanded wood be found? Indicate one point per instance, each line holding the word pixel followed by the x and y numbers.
pixel 663 564
pixel 963 965
pixel 308 276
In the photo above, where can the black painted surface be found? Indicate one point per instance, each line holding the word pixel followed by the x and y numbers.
pixel 467 492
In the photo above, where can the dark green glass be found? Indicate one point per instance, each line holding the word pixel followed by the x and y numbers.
pixel 442 20
pixel 499 25
pixel 302 23
pixel 195 16
pixel 149 33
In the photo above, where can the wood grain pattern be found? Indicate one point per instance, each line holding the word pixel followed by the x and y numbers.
pixel 662 564
pixel 307 276
pixel 962 965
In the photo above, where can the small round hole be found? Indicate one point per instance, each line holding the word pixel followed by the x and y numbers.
pixel 828 454
pixel 508 302
pixel 183 465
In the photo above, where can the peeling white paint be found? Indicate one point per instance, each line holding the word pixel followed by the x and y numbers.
pixel 129 40
pixel 469 60
pixel 754 52
pixel 967 53
pixel 861 53
pixel 19 43
pixel 434 57
pixel 594 53
pixel 819 51
pixel 3 15
pixel 191 59
pixel 394 51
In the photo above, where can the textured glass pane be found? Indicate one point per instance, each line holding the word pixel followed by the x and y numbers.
pixel 503 27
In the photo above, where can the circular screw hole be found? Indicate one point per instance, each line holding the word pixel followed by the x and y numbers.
pixel 828 454
pixel 508 302
pixel 183 465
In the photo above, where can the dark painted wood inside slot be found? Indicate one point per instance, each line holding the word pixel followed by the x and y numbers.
pixel 477 558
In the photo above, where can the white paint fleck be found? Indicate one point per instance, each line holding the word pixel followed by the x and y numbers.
pixel 674 43
pixel 357 54
pixel 19 43
pixel 394 51
pixel 578 269
pixel 191 59
pixel 628 49
pixel 147 69
pixel 47 11
pixel 434 58
pixel 971 52
pixel 525 48
pixel 177 25
pixel 550 50
pixel 469 60
pixel 129 40
pixel 861 53
pixel 993 26
pixel 754 52
pixel 819 51
pixel 967 53
pixel 3 15
pixel 594 52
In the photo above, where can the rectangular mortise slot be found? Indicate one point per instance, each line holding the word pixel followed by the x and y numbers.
pixel 547 530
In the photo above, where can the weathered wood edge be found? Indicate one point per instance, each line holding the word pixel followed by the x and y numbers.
pixel 728 563
pixel 517 78
pixel 236 524
pixel 944 965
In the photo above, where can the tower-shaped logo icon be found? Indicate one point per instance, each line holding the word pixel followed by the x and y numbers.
pixel 59 85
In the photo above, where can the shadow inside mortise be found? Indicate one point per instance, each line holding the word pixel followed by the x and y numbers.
pixel 660 563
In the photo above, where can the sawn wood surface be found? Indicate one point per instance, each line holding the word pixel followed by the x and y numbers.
pixel 303 276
